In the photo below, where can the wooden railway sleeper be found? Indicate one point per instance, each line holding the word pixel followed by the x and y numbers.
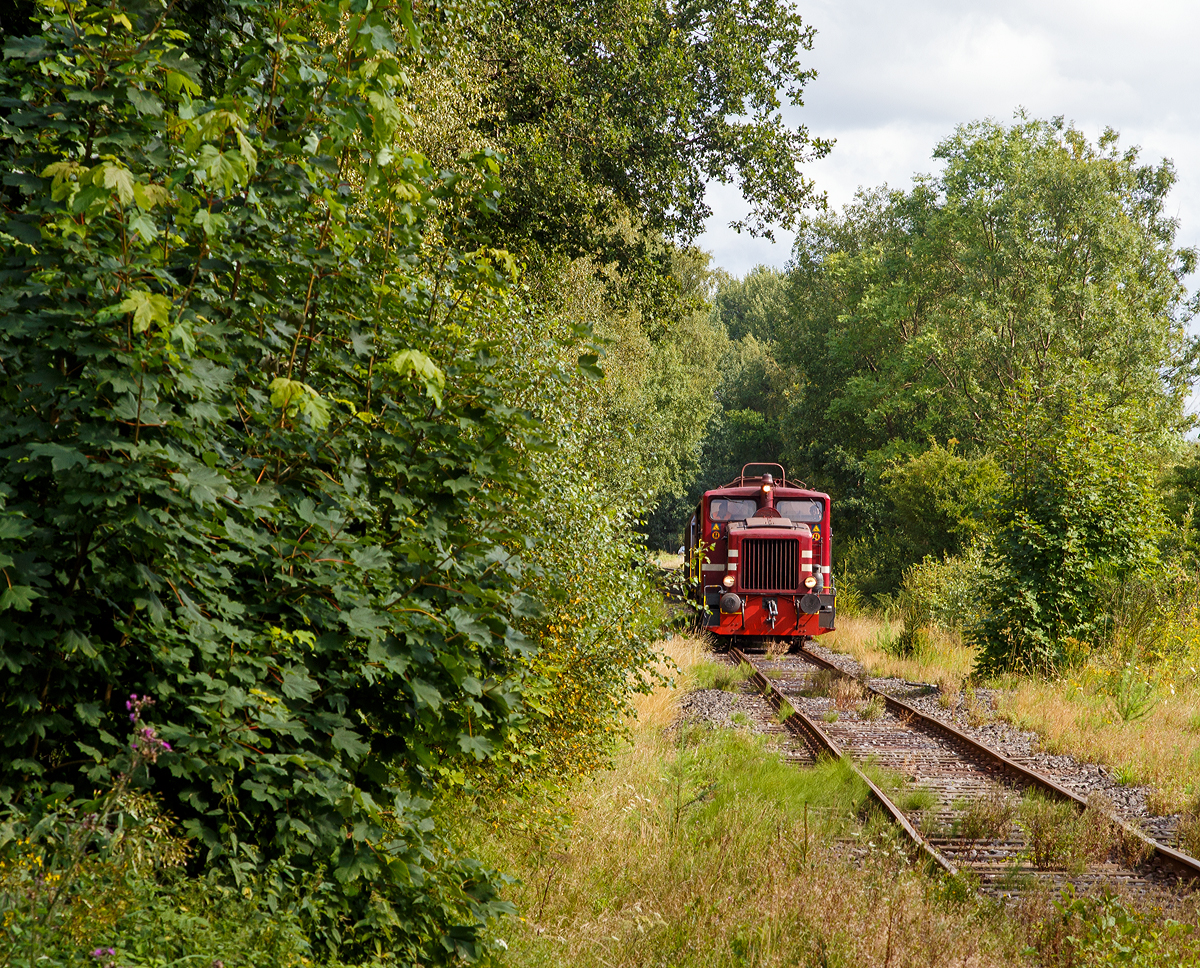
pixel 821 744
pixel 1180 863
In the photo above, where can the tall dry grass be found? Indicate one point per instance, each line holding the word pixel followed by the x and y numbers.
pixel 872 641
pixel 696 850
pixel 683 655
pixel 1078 715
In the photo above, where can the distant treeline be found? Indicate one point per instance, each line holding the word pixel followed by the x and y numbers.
pixel 987 372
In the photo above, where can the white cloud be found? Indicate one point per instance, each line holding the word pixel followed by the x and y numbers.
pixel 896 78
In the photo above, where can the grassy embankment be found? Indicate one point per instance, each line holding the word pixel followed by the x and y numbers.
pixel 1143 722
pixel 693 851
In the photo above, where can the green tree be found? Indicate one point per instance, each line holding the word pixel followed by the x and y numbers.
pixel 1082 505
pixel 1038 262
pixel 1036 256
pixel 943 502
pixel 756 305
pixel 258 464
pixel 609 112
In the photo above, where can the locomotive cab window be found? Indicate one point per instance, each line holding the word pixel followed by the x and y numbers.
pixel 808 511
pixel 723 509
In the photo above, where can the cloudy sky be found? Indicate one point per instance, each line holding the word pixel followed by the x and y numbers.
pixel 896 77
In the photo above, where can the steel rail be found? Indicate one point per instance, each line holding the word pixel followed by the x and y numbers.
pixel 821 744
pixel 1179 862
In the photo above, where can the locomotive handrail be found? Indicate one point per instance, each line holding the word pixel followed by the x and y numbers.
pixel 740 480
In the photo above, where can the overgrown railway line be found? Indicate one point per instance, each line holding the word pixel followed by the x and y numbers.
pixel 962 786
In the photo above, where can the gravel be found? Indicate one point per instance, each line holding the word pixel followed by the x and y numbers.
pixel 717 708
pixel 1020 745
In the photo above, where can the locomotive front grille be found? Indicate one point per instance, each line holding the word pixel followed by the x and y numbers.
pixel 770 564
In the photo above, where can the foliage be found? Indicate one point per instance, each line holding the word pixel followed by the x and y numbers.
pixel 1037 263
pixel 119 901
pixel 942 501
pixel 756 305
pixel 1132 695
pixel 257 464
pixel 1082 504
pixel 945 593
pixel 1036 257
pixel 1108 931
pixel 296 447
pixel 614 112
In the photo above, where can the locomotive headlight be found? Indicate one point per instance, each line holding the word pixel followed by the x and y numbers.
pixel 728 581
pixel 766 488
pixel 810 581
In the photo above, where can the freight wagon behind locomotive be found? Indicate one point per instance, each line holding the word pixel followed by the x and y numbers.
pixel 758 554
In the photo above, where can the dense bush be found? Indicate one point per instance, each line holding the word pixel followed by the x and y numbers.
pixel 257 462
pixel 1082 506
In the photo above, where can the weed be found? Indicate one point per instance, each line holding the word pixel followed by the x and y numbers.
pixel 821 682
pixel 988 817
pixel 740 719
pixel 846 694
pixel 948 685
pixel 1188 834
pixel 916 799
pixel 1132 695
pixel 1126 775
pixel 976 715
pixel 884 639
pixel 912 642
pixel 1193 723
pixel 872 709
pixel 720 675
pixel 830 717
pixel 785 710
pixel 1061 838
pixel 777 648
pixel 1163 803
pixel 1048 825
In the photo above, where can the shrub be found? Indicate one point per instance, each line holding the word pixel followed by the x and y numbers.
pixel 846 693
pixel 1082 503
pixel 988 817
pixel 272 480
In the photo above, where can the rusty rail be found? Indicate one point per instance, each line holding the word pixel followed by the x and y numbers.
pixel 1182 864
pixel 821 744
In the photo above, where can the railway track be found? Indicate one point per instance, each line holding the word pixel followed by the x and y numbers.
pixel 960 807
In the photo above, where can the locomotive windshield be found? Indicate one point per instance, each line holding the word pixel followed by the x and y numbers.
pixel 731 509
pixel 810 512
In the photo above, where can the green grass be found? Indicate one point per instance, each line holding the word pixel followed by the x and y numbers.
pixel 917 798
pixel 702 848
pixel 720 675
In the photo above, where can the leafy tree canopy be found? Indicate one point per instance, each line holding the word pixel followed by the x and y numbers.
pixel 628 110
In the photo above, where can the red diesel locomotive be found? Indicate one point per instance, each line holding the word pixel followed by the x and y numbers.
pixel 758 559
